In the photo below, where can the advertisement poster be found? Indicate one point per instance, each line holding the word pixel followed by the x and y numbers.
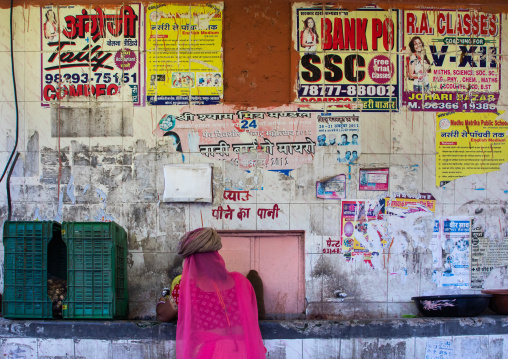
pixel 439 349
pixel 411 204
pixel 342 132
pixel 435 245
pixel 485 256
pixel 90 52
pixel 373 179
pixel 278 138
pixel 455 240
pixel 348 59
pixel 451 60
pixel 184 54
pixel 469 143
pixel 334 188
pixel 356 223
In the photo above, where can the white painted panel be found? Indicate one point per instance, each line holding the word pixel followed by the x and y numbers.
pixel 188 183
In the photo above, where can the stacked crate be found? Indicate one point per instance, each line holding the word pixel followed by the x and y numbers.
pixel 96 271
pixel 26 268
pixel 92 258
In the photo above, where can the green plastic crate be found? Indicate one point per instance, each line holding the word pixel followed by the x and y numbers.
pixel 26 268
pixel 97 270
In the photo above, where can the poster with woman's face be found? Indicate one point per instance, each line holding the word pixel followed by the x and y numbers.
pixel 347 59
pixel 451 60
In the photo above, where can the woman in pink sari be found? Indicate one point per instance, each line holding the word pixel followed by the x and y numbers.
pixel 217 314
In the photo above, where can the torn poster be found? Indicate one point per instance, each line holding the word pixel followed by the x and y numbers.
pixel 455 242
pixel 435 245
pixel 333 188
pixel 362 229
pixel 410 204
pixel 486 255
pixel 439 349
pixel 278 138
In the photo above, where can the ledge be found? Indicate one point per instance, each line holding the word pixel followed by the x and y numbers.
pixel 297 329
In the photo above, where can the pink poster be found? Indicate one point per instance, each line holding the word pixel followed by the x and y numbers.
pixel 374 179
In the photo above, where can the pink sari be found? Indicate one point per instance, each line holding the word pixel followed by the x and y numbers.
pixel 217 315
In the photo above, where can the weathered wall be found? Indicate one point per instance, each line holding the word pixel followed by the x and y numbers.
pixel 389 338
pixel 115 172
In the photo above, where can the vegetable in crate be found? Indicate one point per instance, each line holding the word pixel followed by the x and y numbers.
pixel 57 291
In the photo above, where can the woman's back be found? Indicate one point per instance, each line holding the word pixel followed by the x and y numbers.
pixel 217 316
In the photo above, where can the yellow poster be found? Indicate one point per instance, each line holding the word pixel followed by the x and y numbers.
pixel 348 59
pixel 184 54
pixel 469 143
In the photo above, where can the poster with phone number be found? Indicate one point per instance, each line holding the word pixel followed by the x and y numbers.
pixel 90 52
pixel 347 59
pixel 184 54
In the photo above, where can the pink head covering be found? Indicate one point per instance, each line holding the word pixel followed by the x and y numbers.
pixel 217 315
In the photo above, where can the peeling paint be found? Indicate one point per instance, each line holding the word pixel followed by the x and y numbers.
pixel 70 190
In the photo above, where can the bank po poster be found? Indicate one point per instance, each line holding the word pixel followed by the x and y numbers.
pixel 347 59
pixel 451 60
pixel 90 52
pixel 184 54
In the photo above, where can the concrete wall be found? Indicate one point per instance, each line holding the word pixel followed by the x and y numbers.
pixel 483 337
pixel 117 174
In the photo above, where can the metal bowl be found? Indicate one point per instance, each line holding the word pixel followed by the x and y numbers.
pixel 457 305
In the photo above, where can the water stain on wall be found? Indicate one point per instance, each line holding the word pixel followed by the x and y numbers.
pixel 32 156
pixel 98 120
pixel 395 351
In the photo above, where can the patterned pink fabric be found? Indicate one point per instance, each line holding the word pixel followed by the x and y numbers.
pixel 176 294
pixel 217 315
pixel 210 312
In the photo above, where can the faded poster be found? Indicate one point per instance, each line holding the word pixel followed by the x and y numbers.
pixel 485 256
pixel 275 139
pixel 333 188
pixel 455 242
pixel 407 204
pixel 374 179
pixel 362 229
pixel 341 132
